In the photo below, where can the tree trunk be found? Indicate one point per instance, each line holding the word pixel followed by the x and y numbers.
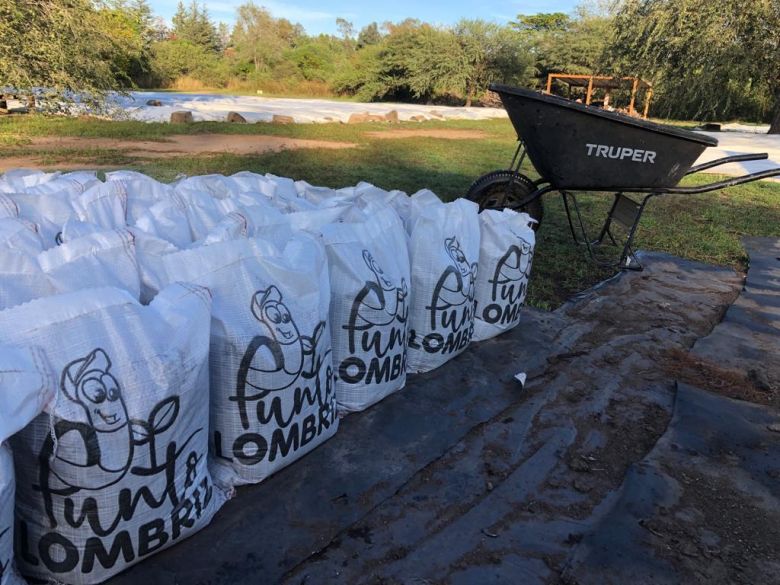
pixel 774 127
pixel 470 95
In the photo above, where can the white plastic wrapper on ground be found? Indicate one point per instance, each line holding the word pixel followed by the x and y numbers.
pixel 215 107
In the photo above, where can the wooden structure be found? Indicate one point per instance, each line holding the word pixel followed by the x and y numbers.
pixel 593 82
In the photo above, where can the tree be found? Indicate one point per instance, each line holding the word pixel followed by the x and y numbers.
pixel 192 24
pixel 542 22
pixel 223 34
pixel 490 53
pixel 131 24
pixel 422 62
pixel 318 58
pixel 406 25
pixel 62 49
pixel 172 59
pixel 369 35
pixel 159 30
pixel 559 43
pixel 262 39
pixel 347 32
pixel 346 28
pixel 384 70
pixel 127 52
pixel 708 60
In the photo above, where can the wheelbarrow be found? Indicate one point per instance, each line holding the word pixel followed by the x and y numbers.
pixel 582 148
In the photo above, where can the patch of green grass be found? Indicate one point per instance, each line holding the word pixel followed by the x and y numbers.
pixel 708 227
pixel 18 129
pixel 704 227
pixel 687 124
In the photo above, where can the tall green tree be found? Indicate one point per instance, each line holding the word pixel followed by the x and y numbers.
pixel 369 35
pixel 172 59
pixel 489 53
pixel 559 43
pixel 347 32
pixel 346 28
pixel 132 25
pixel 417 61
pixel 65 49
pixel 542 22
pixel 425 62
pixel 262 39
pixel 384 70
pixel 318 58
pixel 192 23
pixel 708 60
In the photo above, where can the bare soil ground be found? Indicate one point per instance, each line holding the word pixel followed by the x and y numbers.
pixel 181 145
pixel 708 375
pixel 37 162
pixel 196 144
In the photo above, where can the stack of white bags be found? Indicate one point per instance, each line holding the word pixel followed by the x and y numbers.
pixel 162 344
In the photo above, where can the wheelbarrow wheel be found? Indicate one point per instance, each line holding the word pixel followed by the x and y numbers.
pixel 501 189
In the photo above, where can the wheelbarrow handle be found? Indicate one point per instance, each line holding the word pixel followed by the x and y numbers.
pixel 701 188
pixel 719 185
pixel 727 159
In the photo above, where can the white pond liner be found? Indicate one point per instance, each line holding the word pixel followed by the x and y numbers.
pixel 215 108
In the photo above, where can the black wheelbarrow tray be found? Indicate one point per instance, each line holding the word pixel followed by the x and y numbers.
pixel 575 147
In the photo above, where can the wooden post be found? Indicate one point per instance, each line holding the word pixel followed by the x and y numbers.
pixel 648 97
pixel 634 87
pixel 606 97
pixel 549 83
pixel 590 91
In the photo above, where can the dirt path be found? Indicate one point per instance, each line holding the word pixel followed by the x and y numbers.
pixel 175 146
pixel 194 145
pixel 36 162
pixel 428 133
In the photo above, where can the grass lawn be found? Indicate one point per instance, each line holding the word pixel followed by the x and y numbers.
pixel 701 227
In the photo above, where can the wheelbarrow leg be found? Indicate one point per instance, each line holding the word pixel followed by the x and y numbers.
pixel 628 259
pixel 584 241
pixel 606 231
pixel 517 159
pixel 622 210
pixel 565 197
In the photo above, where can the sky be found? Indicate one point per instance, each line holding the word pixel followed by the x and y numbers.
pixel 319 16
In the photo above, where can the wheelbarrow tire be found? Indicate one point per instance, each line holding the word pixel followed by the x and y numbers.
pixel 501 189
